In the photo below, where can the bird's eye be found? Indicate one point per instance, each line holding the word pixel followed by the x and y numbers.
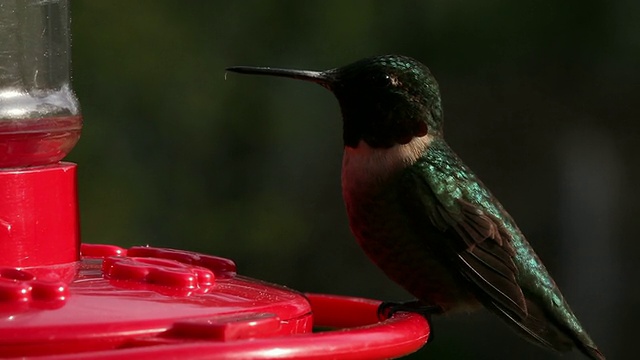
pixel 383 80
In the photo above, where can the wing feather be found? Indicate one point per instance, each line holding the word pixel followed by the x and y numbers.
pixel 477 242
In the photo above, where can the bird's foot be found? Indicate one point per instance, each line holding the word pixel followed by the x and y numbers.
pixel 388 308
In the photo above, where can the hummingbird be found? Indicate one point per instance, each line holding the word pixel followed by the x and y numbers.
pixel 422 215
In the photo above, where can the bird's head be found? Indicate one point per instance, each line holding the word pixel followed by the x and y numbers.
pixel 385 100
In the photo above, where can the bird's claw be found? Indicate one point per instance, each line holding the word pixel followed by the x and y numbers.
pixel 388 308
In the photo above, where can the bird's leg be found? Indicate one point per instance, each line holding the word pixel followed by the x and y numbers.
pixel 388 308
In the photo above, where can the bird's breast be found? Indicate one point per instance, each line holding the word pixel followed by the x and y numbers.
pixel 380 224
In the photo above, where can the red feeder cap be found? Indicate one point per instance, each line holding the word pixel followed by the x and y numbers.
pixel 39 216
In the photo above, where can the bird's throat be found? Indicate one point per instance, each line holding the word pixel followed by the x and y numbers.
pixel 365 166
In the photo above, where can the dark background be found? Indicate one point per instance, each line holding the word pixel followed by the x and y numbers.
pixel 540 100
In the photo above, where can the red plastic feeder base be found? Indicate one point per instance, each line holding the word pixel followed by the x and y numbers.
pixel 153 303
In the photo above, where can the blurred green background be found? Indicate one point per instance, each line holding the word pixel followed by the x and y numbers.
pixel 540 100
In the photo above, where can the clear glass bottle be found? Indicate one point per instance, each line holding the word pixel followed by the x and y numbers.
pixel 40 118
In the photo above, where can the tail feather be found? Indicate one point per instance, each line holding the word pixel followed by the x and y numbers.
pixel 591 351
pixel 588 347
pixel 538 329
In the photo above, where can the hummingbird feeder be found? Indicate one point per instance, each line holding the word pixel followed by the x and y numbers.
pixel 66 300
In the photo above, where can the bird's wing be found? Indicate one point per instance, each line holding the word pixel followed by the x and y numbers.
pixel 476 240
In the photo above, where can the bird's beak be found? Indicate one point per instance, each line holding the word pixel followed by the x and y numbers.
pixel 324 78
